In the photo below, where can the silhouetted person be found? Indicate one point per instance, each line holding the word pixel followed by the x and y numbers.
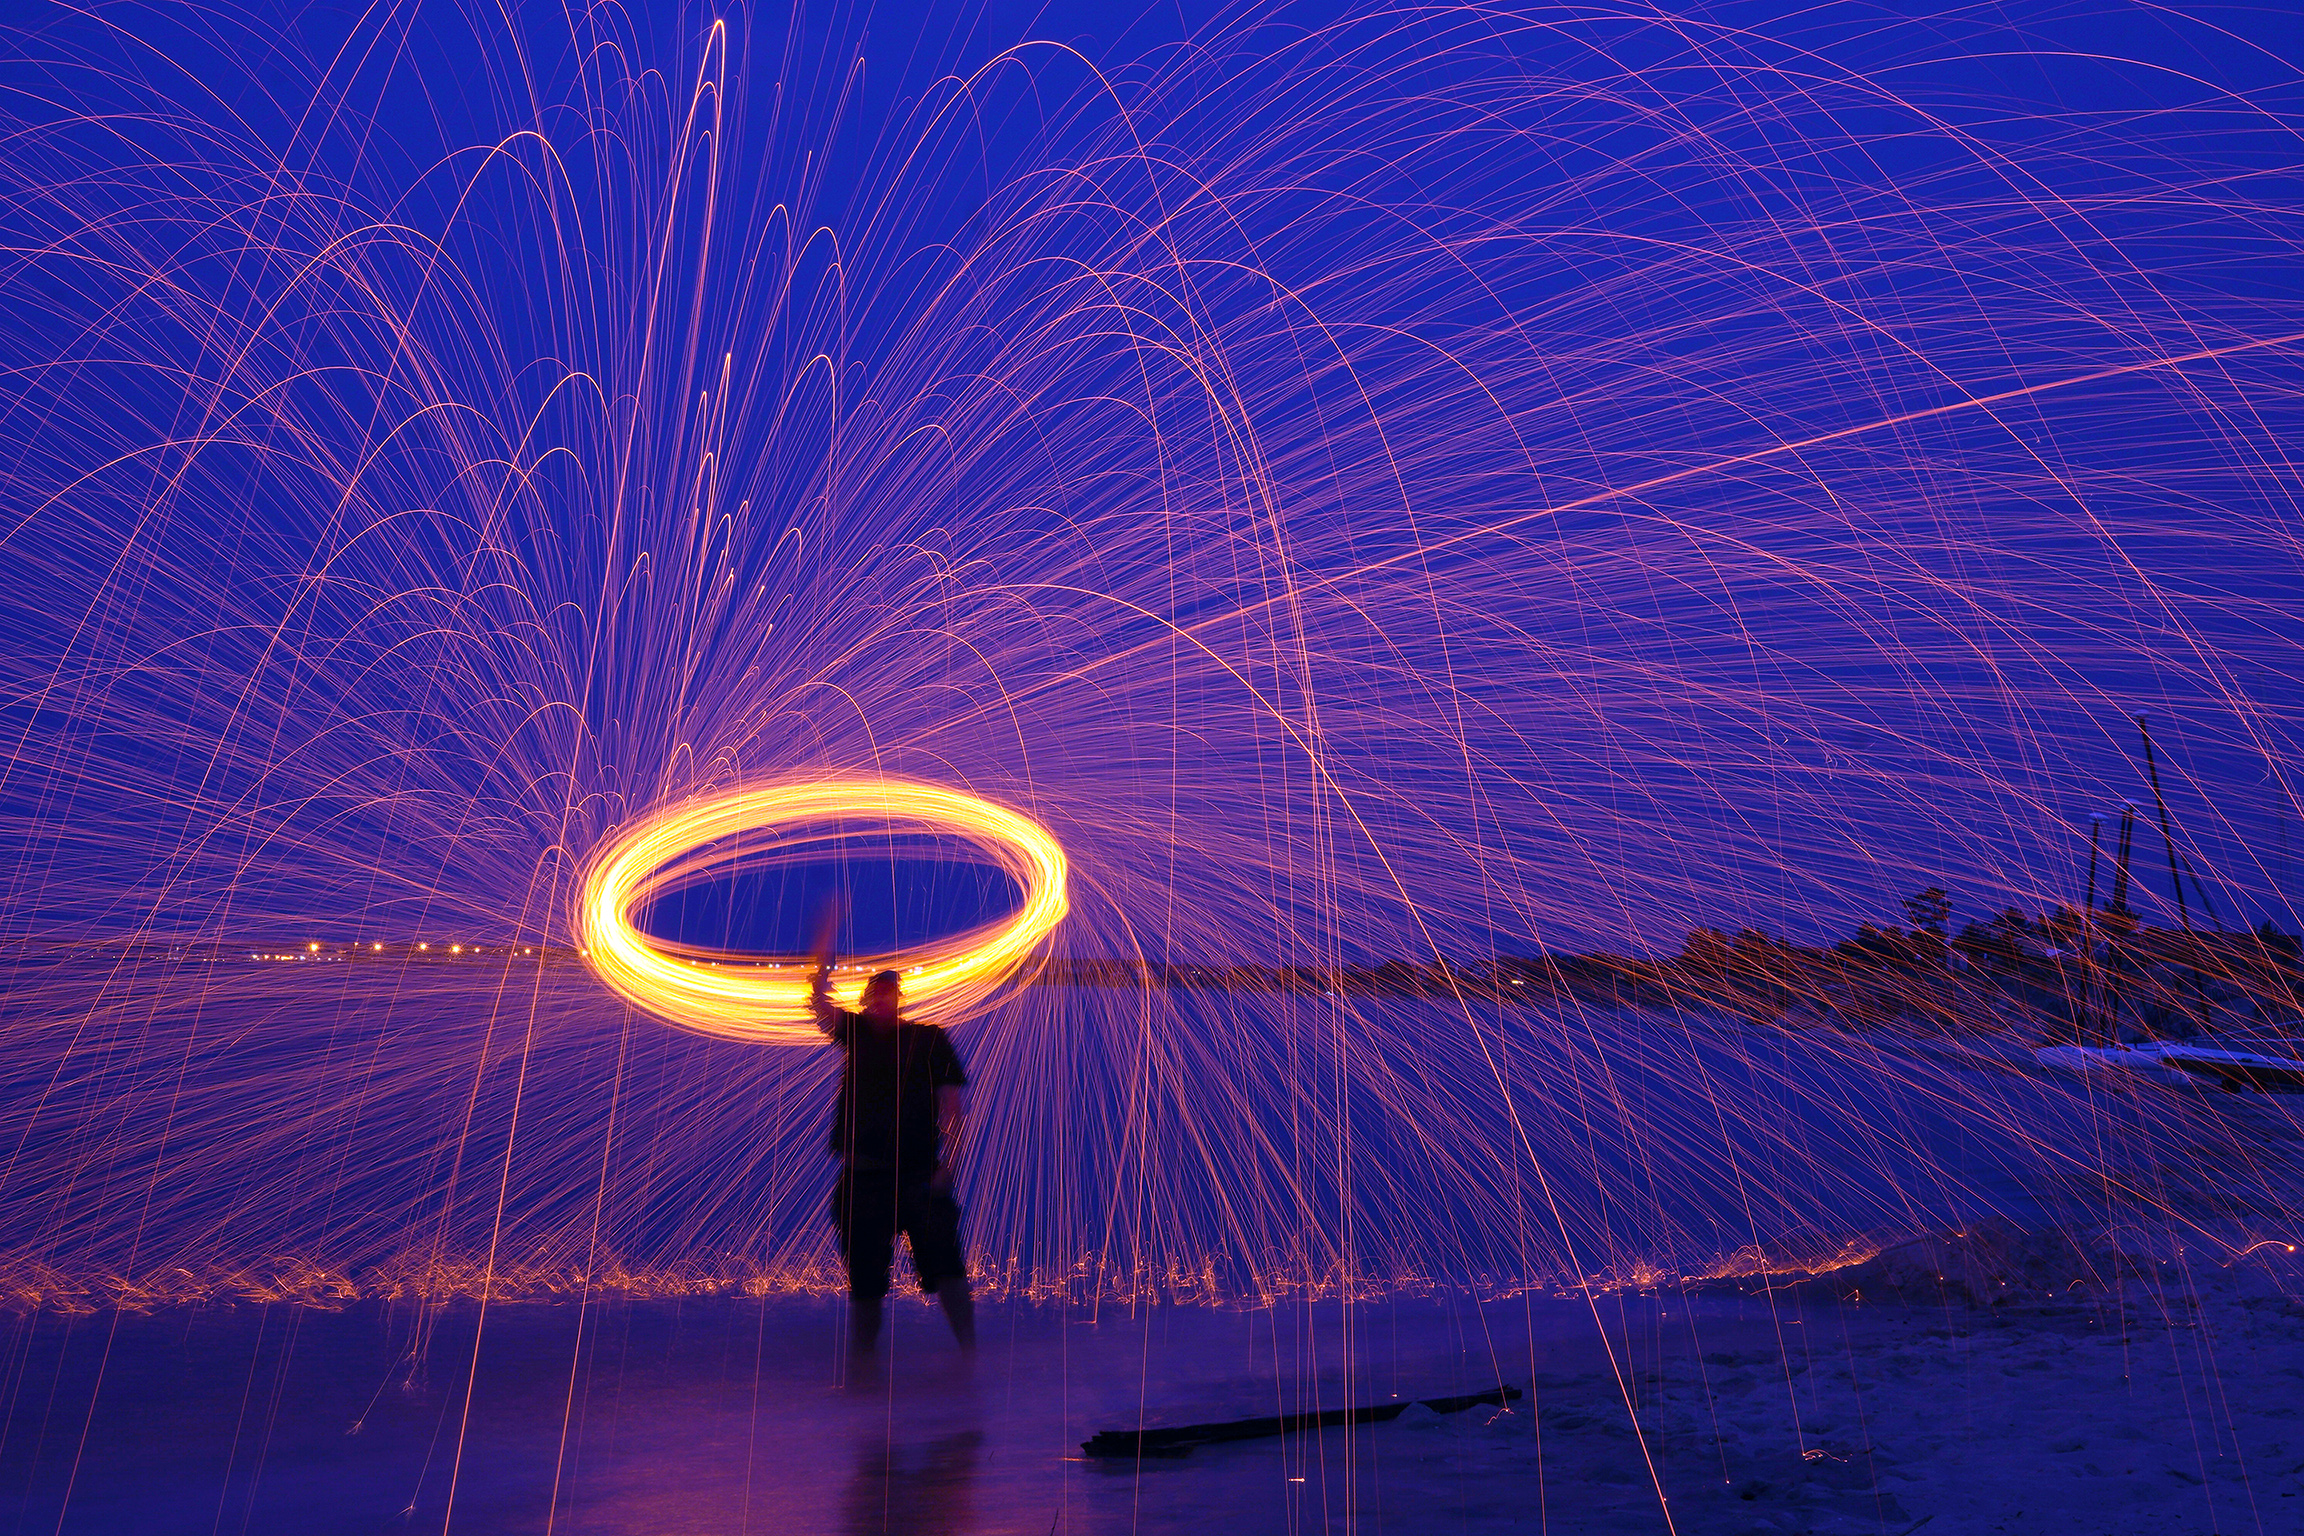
pixel 897 1133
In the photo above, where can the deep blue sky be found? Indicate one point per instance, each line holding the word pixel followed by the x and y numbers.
pixel 362 576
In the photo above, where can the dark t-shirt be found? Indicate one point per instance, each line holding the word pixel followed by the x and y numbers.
pixel 887 1112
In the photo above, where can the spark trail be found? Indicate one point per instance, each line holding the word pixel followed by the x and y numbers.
pixel 1333 513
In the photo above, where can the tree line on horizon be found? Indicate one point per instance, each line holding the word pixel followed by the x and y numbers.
pixel 2063 973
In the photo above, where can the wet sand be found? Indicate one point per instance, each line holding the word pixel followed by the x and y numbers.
pixel 2167 1400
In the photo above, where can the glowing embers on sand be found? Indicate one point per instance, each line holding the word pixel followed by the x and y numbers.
pixel 738 999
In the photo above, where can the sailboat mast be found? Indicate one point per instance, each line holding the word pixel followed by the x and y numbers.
pixel 2085 1017
pixel 2119 901
pixel 2175 880
pixel 2152 768
pixel 2095 839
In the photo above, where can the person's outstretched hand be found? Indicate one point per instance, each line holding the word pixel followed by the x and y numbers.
pixel 819 985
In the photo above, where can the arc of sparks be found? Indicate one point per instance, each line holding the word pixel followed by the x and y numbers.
pixel 738 998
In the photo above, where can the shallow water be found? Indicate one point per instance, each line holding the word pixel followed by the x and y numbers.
pixel 722 1415
pixel 2161 1410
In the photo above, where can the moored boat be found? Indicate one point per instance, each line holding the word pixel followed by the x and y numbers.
pixel 2277 1067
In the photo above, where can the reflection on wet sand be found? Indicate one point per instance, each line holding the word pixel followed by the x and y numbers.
pixel 917 1488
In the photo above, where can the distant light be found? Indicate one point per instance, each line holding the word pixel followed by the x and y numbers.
pixel 313 947
pixel 375 946
pixel 423 946
pixel 455 949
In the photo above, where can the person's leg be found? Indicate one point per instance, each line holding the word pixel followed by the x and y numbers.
pixel 863 1325
pixel 865 1212
pixel 932 1222
pixel 959 1310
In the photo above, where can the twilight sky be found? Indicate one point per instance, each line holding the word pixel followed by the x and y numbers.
pixel 1371 481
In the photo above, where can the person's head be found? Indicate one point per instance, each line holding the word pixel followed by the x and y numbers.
pixel 883 997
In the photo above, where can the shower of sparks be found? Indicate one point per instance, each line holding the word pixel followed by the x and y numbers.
pixel 1453 555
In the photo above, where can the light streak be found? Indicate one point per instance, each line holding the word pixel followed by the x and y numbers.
pixel 949 979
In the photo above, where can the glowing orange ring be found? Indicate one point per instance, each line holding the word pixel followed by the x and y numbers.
pixel 946 980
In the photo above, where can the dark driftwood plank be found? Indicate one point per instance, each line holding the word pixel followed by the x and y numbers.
pixel 1179 1440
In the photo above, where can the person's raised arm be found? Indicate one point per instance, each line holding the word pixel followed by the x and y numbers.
pixel 820 985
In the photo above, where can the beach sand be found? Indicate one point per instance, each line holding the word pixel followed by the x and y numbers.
pixel 2164 1398
pixel 2170 1406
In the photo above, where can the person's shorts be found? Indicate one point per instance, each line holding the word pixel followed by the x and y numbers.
pixel 869 1209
